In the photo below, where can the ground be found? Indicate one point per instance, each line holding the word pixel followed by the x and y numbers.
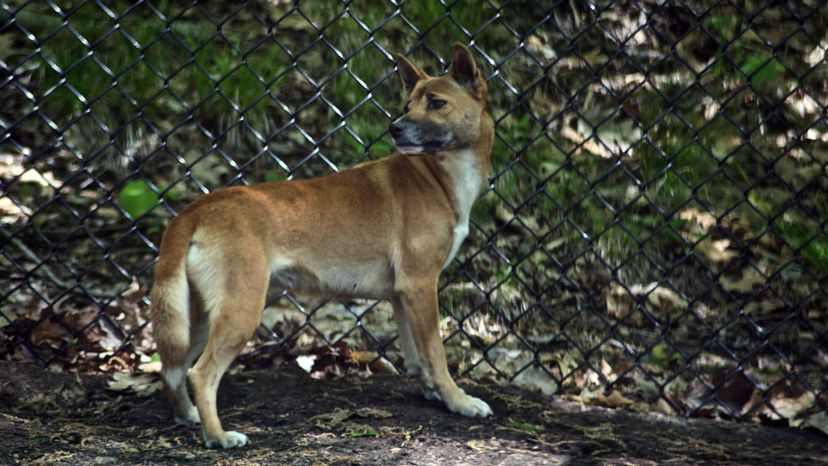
pixel 58 418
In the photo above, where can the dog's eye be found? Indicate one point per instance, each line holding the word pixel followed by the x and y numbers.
pixel 405 108
pixel 436 104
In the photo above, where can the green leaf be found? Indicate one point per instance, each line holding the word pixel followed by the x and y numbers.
pixel 137 198
pixel 760 203
pixel 272 175
pixel 817 254
pixel 723 26
pixel 367 432
pixel 761 69
pixel 382 148
pixel 515 424
pixel 660 356
pixel 172 195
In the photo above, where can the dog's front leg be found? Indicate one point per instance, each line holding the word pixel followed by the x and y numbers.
pixel 417 316
pixel 414 365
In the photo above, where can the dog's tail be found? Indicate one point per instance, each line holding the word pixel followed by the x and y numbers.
pixel 170 301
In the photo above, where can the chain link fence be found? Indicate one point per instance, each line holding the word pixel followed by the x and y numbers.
pixel 654 234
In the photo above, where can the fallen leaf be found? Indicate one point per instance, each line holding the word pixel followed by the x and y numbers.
pixel 614 400
pixel 607 371
pixel 818 421
pixel 372 413
pixel 515 424
pixel 703 220
pixel 329 420
pixel 305 361
pixel 478 445
pixel 141 384
pixel 789 405
pixel 363 431
pixel 749 280
pixel 151 367
pixel 716 251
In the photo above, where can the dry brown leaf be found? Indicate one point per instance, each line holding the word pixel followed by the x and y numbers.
pixel 151 367
pixel 328 420
pixel 141 384
pixel 479 445
pixel 716 251
pixel 614 400
pixel 818 421
pixel 607 371
pixel 372 413
pixel 589 145
pixel 749 280
pixel 764 307
pixel 702 221
pixel 660 296
pixel 788 405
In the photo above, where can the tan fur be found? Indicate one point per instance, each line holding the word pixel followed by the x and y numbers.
pixel 381 230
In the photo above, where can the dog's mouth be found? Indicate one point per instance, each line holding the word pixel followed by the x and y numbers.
pixel 411 148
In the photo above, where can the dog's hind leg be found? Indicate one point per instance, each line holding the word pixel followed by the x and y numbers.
pixel 235 313
pixel 175 310
pixel 185 411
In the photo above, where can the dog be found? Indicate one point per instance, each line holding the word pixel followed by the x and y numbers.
pixel 381 230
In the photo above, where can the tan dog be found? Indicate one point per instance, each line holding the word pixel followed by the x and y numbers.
pixel 382 230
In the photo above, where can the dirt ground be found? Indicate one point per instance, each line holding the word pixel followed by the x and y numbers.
pixel 57 418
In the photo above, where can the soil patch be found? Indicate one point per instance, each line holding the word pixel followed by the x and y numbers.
pixel 290 418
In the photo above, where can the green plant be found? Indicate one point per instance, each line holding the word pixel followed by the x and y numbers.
pixel 661 356
pixel 515 424
pixel 761 69
pixel 366 431
pixel 137 198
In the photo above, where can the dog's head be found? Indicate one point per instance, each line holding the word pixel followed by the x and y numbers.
pixel 440 113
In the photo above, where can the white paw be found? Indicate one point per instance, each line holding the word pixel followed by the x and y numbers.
pixel 232 439
pixel 189 418
pixel 470 406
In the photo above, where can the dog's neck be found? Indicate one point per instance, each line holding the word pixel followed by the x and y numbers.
pixel 467 170
pixel 462 173
pixel 465 179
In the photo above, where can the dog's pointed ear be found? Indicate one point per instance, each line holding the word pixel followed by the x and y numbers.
pixel 464 70
pixel 410 73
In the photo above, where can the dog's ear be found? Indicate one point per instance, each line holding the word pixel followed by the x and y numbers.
pixel 410 73
pixel 464 70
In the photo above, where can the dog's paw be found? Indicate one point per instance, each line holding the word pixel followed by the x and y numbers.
pixel 470 406
pixel 189 418
pixel 231 439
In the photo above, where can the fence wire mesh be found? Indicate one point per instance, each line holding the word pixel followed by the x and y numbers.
pixel 653 236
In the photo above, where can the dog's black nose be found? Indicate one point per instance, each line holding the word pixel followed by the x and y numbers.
pixel 395 129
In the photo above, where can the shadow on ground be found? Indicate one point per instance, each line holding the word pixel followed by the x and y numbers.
pixel 51 418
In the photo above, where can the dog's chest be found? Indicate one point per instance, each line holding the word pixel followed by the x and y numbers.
pixel 460 233
pixel 467 184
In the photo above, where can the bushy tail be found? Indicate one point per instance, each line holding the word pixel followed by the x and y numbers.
pixel 170 301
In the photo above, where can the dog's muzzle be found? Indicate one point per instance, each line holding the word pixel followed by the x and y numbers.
pixel 418 138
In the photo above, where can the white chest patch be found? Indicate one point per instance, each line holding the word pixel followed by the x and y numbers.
pixel 467 184
pixel 460 233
